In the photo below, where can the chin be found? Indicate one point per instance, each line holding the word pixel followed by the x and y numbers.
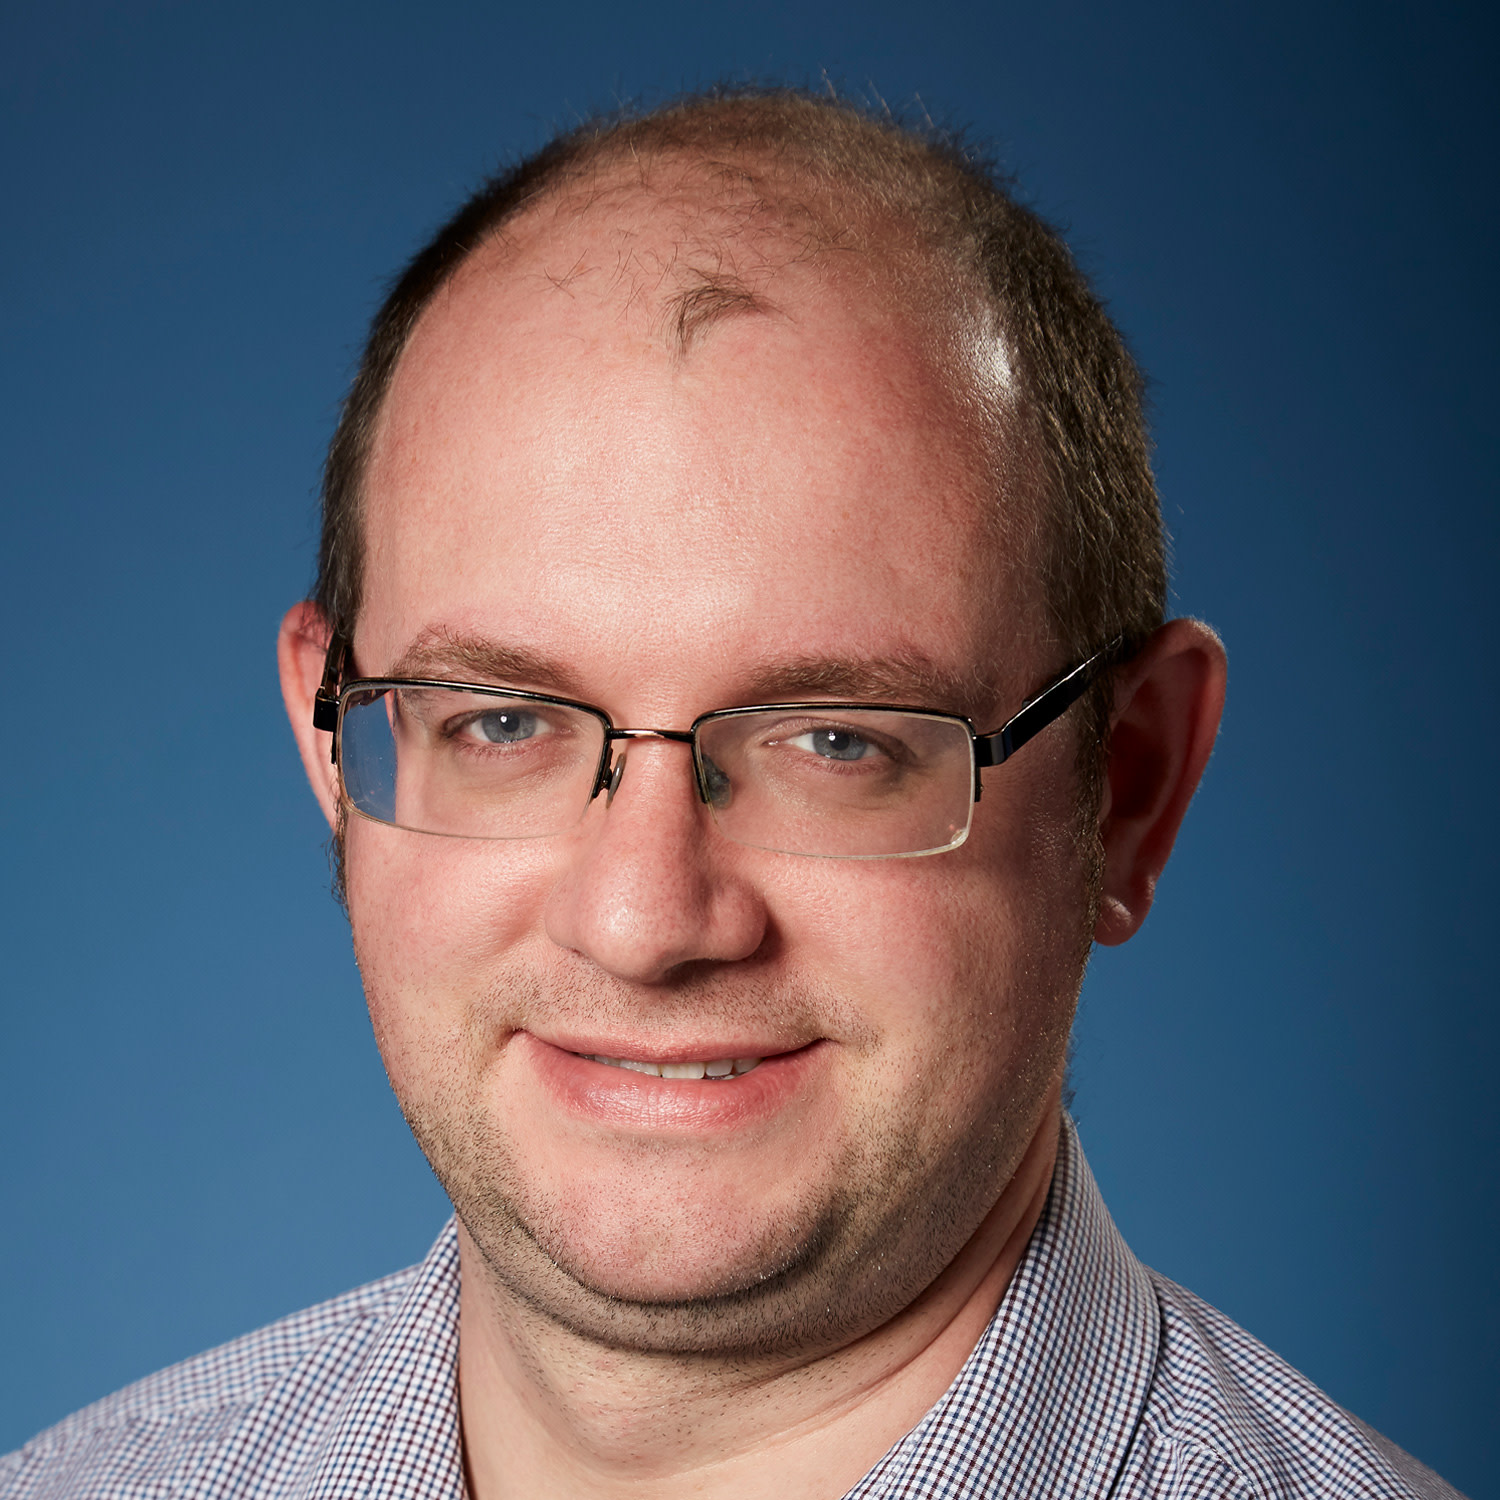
pixel 658 1239
pixel 729 1303
pixel 775 1287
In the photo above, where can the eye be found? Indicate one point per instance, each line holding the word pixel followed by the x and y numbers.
pixel 834 743
pixel 505 726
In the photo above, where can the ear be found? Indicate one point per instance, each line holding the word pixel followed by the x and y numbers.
pixel 300 649
pixel 1168 699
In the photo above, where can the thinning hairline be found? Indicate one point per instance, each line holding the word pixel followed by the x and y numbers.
pixel 772 210
pixel 888 243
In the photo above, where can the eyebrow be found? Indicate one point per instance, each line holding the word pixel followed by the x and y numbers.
pixel 442 653
pixel 909 678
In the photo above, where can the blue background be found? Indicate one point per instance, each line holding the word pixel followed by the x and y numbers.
pixel 1285 1084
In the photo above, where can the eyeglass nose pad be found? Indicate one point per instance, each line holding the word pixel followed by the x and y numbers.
pixel 612 780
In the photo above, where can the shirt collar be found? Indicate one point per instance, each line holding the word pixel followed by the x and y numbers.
pixel 1045 1405
pixel 398 1434
pixel 1049 1400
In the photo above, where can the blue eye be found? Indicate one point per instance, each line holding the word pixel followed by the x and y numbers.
pixel 835 744
pixel 506 726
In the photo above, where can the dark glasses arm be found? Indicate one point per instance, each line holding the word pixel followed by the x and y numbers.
pixel 326 699
pixel 1037 713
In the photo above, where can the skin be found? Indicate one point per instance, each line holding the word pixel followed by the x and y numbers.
pixel 756 1286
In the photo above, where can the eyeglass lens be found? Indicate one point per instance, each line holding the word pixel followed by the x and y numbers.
pixel 846 782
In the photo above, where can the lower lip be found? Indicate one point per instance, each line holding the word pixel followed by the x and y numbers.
pixel 621 1099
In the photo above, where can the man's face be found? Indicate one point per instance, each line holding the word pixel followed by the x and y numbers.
pixel 793 508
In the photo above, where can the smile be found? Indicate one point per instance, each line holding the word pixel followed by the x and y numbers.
pixel 729 1067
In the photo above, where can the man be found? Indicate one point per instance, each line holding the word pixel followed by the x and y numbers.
pixel 725 497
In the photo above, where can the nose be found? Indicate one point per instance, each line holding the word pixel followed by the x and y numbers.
pixel 647 885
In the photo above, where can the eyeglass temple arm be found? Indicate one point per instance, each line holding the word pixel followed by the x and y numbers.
pixel 1049 704
pixel 326 699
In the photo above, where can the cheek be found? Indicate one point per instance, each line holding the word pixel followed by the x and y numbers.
pixel 433 921
pixel 968 922
pixel 968 963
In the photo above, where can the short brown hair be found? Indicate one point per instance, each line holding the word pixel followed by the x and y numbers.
pixel 1102 551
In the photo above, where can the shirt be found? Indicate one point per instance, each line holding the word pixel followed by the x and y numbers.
pixel 1095 1378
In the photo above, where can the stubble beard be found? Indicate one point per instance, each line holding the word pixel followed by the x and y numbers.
pixel 899 1205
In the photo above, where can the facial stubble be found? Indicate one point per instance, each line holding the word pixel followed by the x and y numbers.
pixel 897 1200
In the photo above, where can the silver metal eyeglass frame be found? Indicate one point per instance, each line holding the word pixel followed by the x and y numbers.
pixel 988 749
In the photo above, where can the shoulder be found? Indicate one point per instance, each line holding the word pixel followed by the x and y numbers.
pixel 152 1436
pixel 1226 1416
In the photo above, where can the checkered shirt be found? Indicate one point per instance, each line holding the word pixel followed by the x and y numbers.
pixel 1095 1378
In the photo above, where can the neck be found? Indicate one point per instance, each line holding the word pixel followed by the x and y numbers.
pixel 545 1411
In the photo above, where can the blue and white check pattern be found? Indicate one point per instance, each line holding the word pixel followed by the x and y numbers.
pixel 1095 1378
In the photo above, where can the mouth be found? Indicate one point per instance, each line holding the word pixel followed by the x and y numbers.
pixel 723 1068
pixel 717 1086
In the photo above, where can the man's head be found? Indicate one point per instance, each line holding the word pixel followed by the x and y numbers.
pixel 724 410
pixel 754 180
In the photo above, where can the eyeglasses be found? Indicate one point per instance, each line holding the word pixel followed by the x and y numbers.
pixel 839 780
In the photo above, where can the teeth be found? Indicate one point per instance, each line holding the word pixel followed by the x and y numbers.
pixel 725 1068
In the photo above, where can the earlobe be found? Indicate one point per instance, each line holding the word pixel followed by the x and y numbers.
pixel 300 649
pixel 1168 699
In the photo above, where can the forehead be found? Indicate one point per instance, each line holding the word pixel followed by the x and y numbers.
pixel 556 468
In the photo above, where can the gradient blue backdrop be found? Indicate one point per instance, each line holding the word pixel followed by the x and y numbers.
pixel 1285 1084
